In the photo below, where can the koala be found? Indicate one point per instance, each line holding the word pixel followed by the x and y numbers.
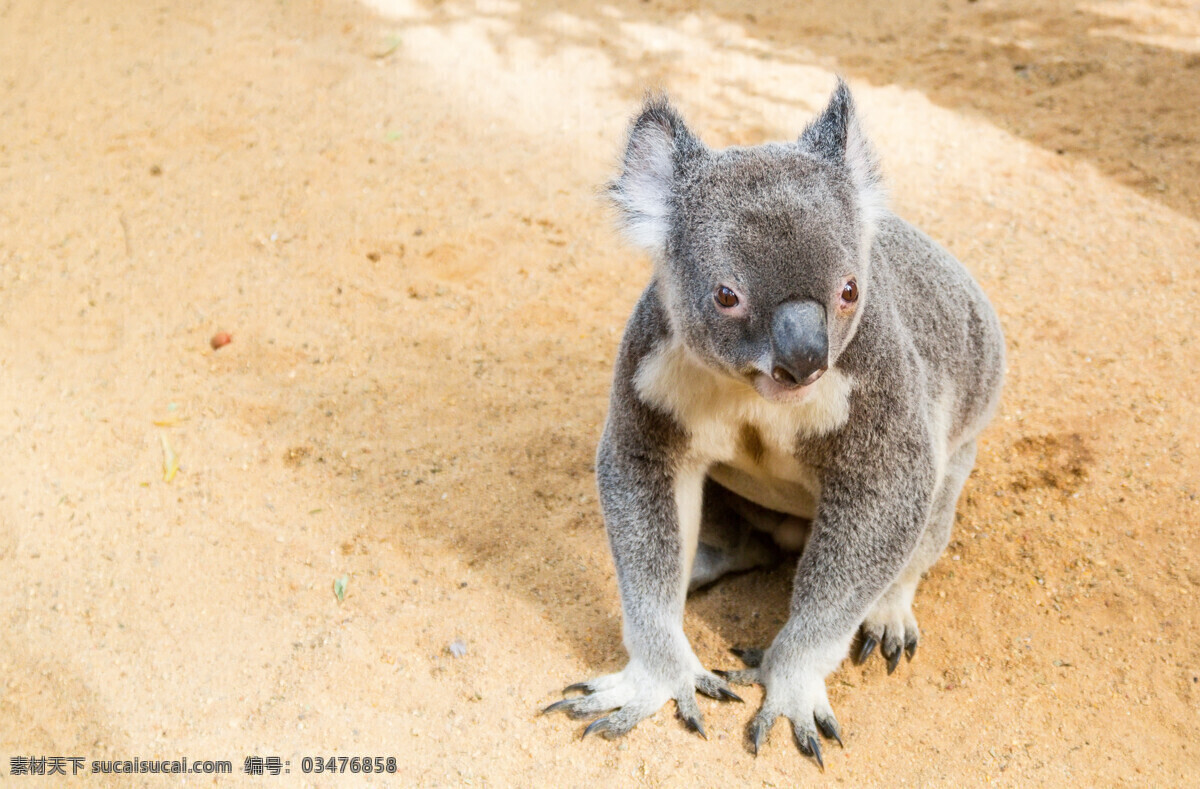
pixel 805 371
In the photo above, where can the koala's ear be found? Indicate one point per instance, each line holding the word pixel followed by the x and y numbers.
pixel 835 135
pixel 659 144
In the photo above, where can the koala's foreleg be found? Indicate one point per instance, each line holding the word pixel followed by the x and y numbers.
pixel 652 510
pixel 890 622
pixel 868 524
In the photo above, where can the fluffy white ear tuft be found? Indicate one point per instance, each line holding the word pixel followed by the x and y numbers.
pixel 836 135
pixel 644 192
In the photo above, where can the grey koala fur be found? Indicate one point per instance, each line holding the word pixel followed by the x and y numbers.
pixel 757 391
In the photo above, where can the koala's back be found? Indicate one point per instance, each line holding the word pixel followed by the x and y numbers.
pixel 946 317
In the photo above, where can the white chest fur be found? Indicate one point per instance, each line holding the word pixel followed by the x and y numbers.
pixel 742 440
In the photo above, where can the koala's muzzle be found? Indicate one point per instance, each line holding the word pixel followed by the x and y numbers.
pixel 799 343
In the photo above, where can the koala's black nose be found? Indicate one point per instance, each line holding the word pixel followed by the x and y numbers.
pixel 799 343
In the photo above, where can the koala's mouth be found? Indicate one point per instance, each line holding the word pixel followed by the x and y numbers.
pixel 777 391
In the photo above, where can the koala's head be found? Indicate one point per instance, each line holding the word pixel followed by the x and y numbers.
pixel 761 254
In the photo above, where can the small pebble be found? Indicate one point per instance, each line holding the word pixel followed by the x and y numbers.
pixel 220 340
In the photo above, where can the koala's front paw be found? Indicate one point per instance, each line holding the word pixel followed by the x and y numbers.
pixel 637 693
pixel 892 626
pixel 794 691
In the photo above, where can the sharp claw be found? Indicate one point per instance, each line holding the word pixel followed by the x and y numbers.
pixel 722 673
pixel 758 733
pixel 810 747
pixel 558 705
pixel 829 727
pixel 910 649
pixel 816 751
pixel 730 695
pixel 893 660
pixel 577 686
pixel 597 725
pixel 864 652
pixel 752 656
pixel 697 726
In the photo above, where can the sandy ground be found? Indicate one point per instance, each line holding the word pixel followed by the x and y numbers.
pixel 393 209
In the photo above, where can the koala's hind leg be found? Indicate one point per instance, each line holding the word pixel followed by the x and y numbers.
pixel 891 623
pixel 733 536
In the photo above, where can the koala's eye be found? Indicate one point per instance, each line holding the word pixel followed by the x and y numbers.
pixel 726 297
pixel 850 292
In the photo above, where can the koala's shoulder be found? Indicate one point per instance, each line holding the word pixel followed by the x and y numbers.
pixel 648 326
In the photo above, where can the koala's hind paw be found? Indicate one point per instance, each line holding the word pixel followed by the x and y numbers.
pixel 752 657
pixel 892 626
pixel 632 695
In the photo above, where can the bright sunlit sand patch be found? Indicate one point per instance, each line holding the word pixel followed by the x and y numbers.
pixel 406 10
pixel 1174 25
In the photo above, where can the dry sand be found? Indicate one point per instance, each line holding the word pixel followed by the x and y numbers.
pixel 393 209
